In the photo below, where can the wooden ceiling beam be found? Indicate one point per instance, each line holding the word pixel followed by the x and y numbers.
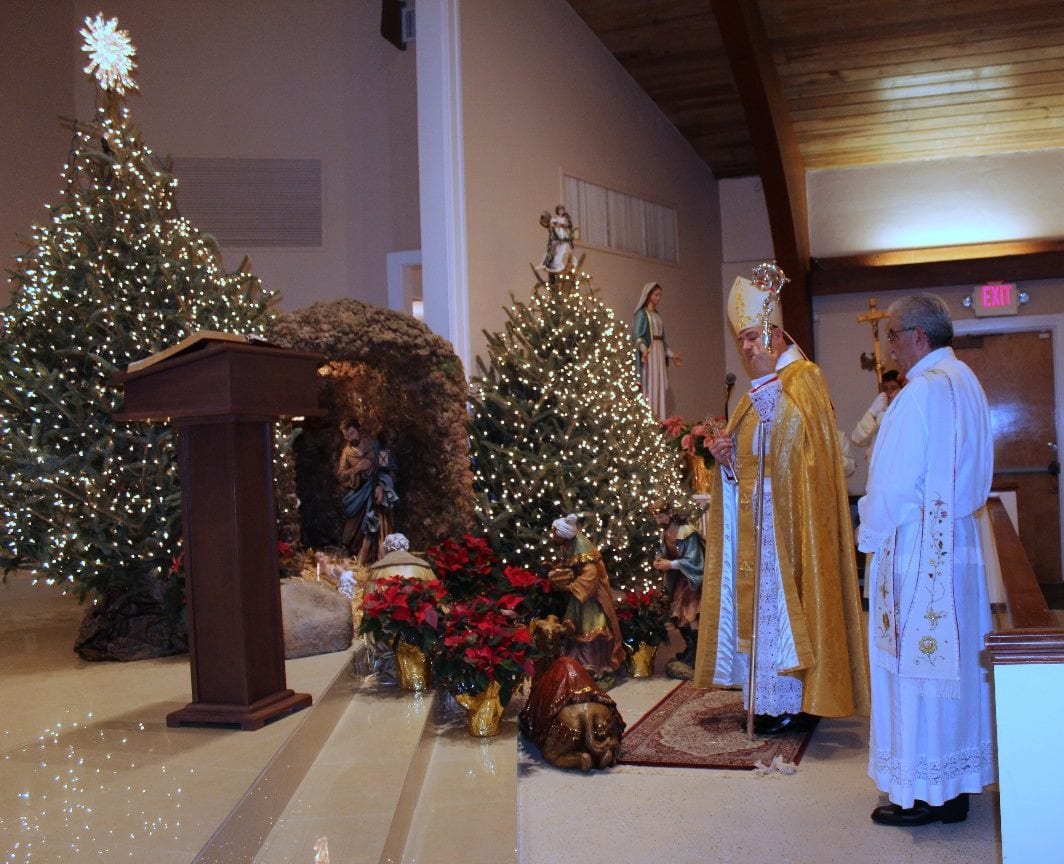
pixel 779 161
pixel 927 269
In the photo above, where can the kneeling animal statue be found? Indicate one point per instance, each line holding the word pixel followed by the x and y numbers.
pixel 549 636
pixel 572 721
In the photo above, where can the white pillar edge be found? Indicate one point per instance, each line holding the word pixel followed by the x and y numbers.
pixel 441 173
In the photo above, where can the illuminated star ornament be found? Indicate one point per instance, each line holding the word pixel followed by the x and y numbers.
pixel 111 54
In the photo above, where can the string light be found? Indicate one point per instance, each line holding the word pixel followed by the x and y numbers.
pixel 112 276
pixel 559 425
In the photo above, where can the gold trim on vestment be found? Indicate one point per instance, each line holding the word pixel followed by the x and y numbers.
pixel 814 548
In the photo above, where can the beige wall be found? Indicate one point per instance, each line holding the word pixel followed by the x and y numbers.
pixel 37 68
pixel 939 202
pixel 282 79
pixel 542 97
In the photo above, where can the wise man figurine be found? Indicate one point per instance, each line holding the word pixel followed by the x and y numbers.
pixel 589 618
pixel 681 559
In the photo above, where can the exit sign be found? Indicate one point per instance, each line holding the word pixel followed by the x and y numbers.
pixel 996 298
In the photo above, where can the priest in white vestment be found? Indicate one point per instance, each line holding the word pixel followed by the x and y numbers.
pixel 931 740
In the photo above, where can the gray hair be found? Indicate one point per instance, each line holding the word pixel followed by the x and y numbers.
pixel 928 312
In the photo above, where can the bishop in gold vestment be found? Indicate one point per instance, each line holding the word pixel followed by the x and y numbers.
pixel 812 655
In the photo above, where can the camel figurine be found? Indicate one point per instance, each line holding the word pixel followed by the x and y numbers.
pixel 571 719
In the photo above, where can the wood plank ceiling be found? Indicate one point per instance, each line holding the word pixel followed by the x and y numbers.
pixel 866 82
pixel 802 85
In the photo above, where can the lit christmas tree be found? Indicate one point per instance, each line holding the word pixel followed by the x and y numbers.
pixel 560 426
pixel 116 275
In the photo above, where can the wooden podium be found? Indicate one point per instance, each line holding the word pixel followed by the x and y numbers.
pixel 223 397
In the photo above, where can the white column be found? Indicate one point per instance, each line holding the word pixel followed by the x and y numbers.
pixel 441 172
pixel 1027 699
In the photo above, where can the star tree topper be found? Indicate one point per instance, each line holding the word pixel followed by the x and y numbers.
pixel 110 54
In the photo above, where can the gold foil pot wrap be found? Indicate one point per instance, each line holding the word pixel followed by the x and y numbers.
pixel 413 667
pixel 483 711
pixel 701 474
pixel 640 662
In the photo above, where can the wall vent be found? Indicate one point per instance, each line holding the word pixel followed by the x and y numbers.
pixel 610 219
pixel 252 202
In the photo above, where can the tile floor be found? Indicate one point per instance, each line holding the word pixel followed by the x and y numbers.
pixel 89 771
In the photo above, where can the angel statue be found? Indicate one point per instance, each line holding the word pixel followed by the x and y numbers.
pixel 561 238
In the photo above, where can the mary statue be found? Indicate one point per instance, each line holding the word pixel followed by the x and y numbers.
pixel 652 354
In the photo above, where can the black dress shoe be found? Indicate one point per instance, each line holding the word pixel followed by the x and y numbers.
pixel 768 724
pixel 922 813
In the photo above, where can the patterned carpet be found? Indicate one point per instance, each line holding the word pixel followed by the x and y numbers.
pixel 693 728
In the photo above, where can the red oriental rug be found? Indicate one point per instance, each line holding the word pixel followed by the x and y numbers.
pixel 694 728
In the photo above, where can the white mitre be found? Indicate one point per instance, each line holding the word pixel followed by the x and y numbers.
pixel 746 305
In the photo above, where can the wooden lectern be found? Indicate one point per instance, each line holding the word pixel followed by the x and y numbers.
pixel 223 397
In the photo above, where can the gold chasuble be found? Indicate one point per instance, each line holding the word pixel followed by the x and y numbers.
pixel 814 545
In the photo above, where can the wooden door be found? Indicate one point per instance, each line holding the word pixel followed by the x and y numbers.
pixel 1016 371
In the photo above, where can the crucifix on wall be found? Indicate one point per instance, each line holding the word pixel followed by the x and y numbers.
pixel 874 361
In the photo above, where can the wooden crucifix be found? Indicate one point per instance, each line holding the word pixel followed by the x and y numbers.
pixel 873 316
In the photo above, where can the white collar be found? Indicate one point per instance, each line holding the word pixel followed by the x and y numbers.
pixel 789 356
pixel 930 359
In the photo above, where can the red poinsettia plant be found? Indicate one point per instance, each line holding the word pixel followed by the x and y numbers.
pixel 643 616
pixel 537 597
pixel 693 439
pixel 466 567
pixel 287 559
pixel 404 609
pixel 483 642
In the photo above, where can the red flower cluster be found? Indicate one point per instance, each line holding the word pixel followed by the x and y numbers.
pixel 403 608
pixel 468 622
pixel 466 568
pixel 483 642
pixel 643 617
pixel 519 577
pixel 532 592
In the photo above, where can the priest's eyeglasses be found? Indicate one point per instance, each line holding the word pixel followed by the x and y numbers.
pixel 892 335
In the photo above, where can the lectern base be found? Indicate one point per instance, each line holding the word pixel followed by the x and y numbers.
pixel 247 717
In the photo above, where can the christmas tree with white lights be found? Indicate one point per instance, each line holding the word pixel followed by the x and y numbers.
pixel 115 275
pixel 560 426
